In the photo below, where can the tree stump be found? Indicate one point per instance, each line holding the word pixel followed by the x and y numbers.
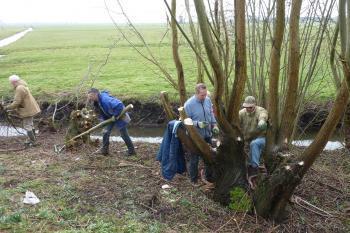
pixel 80 121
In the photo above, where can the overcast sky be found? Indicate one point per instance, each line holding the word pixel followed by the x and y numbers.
pixel 79 11
pixel 88 11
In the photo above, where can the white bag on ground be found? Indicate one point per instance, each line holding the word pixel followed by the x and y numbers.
pixel 30 198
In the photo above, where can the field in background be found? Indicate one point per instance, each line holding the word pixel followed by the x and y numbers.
pixel 54 59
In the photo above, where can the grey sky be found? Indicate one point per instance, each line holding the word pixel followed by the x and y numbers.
pixel 79 11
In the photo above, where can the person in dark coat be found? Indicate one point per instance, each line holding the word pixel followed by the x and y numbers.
pixel 108 106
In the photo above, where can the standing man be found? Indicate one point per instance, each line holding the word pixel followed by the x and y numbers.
pixel 253 122
pixel 200 109
pixel 25 107
pixel 108 106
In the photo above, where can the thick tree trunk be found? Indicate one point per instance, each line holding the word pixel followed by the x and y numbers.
pixel 274 80
pixel 344 28
pixel 241 62
pixel 346 127
pixel 230 169
pixel 290 110
pixel 274 192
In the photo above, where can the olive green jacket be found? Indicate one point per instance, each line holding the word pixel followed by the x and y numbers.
pixel 249 122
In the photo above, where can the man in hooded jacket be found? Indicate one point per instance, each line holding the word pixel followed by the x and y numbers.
pixel 108 106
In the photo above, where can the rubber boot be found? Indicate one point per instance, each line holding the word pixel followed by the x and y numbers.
pixel 31 139
pixel 104 150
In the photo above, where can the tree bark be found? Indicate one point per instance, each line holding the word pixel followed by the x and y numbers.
pixel 290 111
pixel 241 62
pixel 273 193
pixel 346 127
pixel 227 127
pixel 175 45
pixel 196 42
pixel 229 169
pixel 316 147
pixel 274 79
pixel 166 106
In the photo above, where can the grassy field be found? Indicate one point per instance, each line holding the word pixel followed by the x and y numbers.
pixel 54 59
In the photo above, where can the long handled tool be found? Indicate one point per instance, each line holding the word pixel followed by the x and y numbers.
pixel 58 149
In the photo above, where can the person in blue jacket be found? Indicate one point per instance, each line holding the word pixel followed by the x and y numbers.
pixel 108 106
pixel 200 109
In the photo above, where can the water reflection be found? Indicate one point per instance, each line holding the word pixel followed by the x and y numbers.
pixel 6 131
pixel 331 145
pixel 153 135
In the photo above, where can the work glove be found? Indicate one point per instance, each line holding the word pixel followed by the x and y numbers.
pixel 262 125
pixel 216 130
pixel 202 124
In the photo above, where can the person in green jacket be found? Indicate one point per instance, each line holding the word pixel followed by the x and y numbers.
pixel 253 122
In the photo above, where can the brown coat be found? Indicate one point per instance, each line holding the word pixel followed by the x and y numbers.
pixel 24 103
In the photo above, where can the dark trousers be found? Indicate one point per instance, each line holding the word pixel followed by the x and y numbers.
pixel 194 160
pixel 123 133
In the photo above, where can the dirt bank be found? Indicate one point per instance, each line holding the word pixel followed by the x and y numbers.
pixel 81 191
pixel 152 114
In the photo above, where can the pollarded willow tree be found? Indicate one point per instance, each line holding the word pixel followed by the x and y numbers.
pixel 219 38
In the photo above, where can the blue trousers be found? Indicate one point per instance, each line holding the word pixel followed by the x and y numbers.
pixel 256 148
pixel 123 133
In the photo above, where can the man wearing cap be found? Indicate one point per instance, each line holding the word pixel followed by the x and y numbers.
pixel 200 109
pixel 253 122
pixel 108 106
pixel 25 107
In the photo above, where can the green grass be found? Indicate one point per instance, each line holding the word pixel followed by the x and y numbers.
pixel 54 59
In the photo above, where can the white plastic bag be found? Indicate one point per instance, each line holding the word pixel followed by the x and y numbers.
pixel 30 198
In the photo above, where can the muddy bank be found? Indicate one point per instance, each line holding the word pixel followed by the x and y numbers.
pixel 146 114
pixel 151 114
